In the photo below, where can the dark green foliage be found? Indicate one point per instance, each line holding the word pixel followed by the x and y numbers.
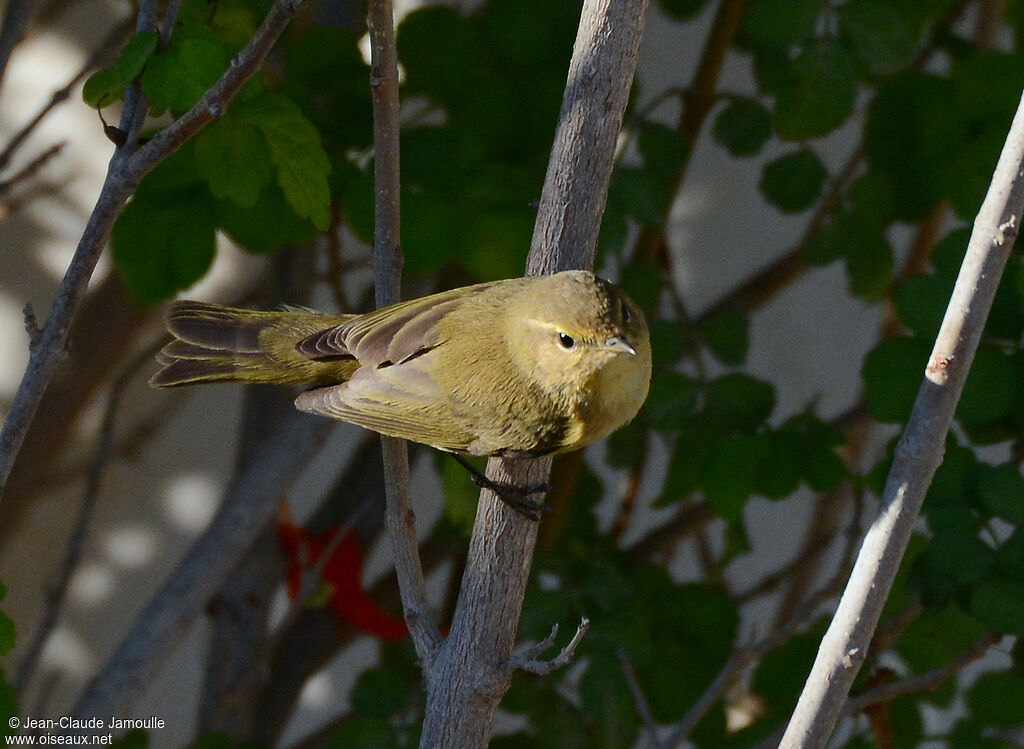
pixel 291 158
pixel 793 182
pixel 743 127
pixel 816 95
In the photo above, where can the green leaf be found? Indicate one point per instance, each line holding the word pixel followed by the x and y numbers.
pixel 878 35
pixel 135 54
pixel 869 263
pixel 778 474
pixel 364 732
pixel 730 477
pixel 726 336
pixel 682 10
pixel 668 343
pixel 641 193
pixel 990 388
pixel 529 34
pixel 164 241
pixel 914 131
pixel 780 23
pixel 380 693
pixel 892 373
pixel 606 697
pixel 1011 555
pixel 1001 492
pixel 643 283
pixel 430 228
pixel 793 182
pixel 962 557
pixel 266 226
pixel 296 151
pixel 672 398
pixel 934 639
pixel 781 673
pixel 921 302
pixel 441 76
pixel 872 199
pixel 999 605
pixel 176 78
pixel 818 93
pixel 106 86
pixel 233 158
pixel 739 402
pixel 8 706
pixel 460 493
pixel 663 149
pixel 102 88
pixel 997 699
pixel 743 127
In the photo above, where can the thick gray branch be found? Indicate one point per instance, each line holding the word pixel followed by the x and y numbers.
pixel 467 681
pixel 918 454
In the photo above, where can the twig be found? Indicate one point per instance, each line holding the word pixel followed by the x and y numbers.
pixel 102 53
pixel 927 681
pixel 127 168
pixel 642 705
pixel 529 658
pixel 387 275
pixel 918 454
pixel 73 552
pixel 31 168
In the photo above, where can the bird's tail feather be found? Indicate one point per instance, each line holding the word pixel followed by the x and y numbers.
pixel 213 343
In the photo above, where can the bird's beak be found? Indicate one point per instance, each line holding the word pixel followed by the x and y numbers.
pixel 619 342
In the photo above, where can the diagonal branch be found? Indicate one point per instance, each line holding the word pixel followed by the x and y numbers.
pixel 918 454
pixel 127 167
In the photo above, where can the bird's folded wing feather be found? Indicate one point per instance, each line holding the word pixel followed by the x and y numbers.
pixel 400 400
pixel 391 335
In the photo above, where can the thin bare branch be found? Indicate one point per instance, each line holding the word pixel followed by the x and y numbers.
pixel 918 454
pixel 387 275
pixel 927 681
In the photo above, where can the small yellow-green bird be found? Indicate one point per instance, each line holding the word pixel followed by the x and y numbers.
pixel 516 368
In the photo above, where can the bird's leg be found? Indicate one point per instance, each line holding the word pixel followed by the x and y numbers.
pixel 516 497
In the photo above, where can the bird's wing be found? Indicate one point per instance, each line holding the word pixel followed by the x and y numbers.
pixel 389 336
pixel 400 400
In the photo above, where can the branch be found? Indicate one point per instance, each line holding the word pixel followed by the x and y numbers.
pixel 459 713
pixel 387 276
pixel 529 659
pixel 918 454
pixel 69 562
pixel 127 167
pixel 927 681
pixel 250 503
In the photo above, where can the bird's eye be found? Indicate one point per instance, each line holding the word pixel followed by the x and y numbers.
pixel 566 340
pixel 625 313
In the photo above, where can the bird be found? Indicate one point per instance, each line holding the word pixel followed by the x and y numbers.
pixel 516 368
